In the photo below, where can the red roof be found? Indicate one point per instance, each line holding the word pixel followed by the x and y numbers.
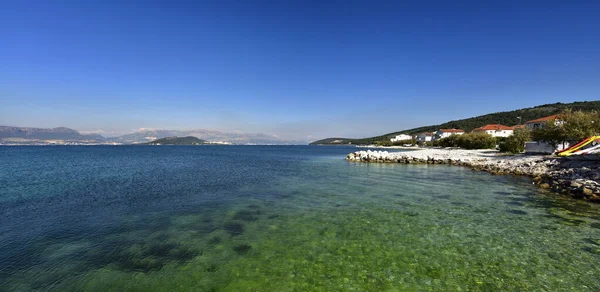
pixel 544 119
pixel 493 127
pixel 518 127
pixel 451 131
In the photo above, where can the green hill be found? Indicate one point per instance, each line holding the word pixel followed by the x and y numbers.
pixel 189 140
pixel 506 118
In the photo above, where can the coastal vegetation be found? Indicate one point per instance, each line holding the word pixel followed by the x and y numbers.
pixel 475 140
pixel 515 143
pixel 569 126
pixel 505 118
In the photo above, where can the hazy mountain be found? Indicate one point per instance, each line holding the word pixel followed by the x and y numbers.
pixel 61 133
pixel 147 135
pixel 23 134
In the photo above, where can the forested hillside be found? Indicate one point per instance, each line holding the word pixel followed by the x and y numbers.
pixel 508 118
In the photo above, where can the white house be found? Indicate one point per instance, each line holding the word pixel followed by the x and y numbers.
pixel 401 137
pixel 539 146
pixel 538 123
pixel 424 137
pixel 496 130
pixel 443 133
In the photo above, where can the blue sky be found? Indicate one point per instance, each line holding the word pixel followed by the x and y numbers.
pixel 296 69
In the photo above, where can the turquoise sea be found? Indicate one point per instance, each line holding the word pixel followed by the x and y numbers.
pixel 280 218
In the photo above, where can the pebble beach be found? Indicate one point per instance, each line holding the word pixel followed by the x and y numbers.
pixel 577 178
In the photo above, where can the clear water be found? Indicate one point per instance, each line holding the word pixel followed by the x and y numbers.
pixel 280 218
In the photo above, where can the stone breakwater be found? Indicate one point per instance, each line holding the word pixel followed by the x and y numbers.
pixel 580 179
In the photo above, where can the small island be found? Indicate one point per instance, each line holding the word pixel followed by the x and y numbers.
pixel 188 140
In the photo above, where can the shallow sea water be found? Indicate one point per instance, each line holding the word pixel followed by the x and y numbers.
pixel 280 218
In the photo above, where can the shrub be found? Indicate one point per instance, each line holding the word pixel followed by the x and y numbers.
pixel 476 140
pixel 450 141
pixel 516 142
pixel 403 142
pixel 383 143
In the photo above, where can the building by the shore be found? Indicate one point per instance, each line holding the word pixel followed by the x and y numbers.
pixel 401 137
pixel 496 130
pixel 539 123
pixel 443 133
pixel 424 137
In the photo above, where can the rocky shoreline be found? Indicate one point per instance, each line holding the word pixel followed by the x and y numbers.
pixel 577 178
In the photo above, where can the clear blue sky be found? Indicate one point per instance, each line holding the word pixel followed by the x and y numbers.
pixel 297 69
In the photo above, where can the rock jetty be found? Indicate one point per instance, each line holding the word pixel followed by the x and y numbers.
pixel 578 178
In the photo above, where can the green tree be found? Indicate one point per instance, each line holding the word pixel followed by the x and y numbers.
pixel 570 126
pixel 515 143
pixel 551 132
pixel 579 125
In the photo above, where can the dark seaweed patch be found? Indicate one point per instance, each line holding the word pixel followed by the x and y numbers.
pixel 253 206
pixel 234 228
pixel 445 197
pixel 593 250
pixel 242 248
pixel 516 212
pixel 554 255
pixel 572 222
pixel 549 227
pixel 214 240
pixel 503 193
pixel 553 216
pixel 411 214
pixel 519 199
pixel 594 241
pixel 181 254
pixel 595 225
pixel 206 228
pixel 153 257
pixel 273 216
pixel 246 215
pixel 211 268
pixel 398 195
pixel 474 198
pixel 516 203
pixel 141 264
pixel 159 250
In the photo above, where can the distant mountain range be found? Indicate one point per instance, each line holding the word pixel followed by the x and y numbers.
pixel 146 135
pixel 61 133
pixel 23 135
pixel 508 118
